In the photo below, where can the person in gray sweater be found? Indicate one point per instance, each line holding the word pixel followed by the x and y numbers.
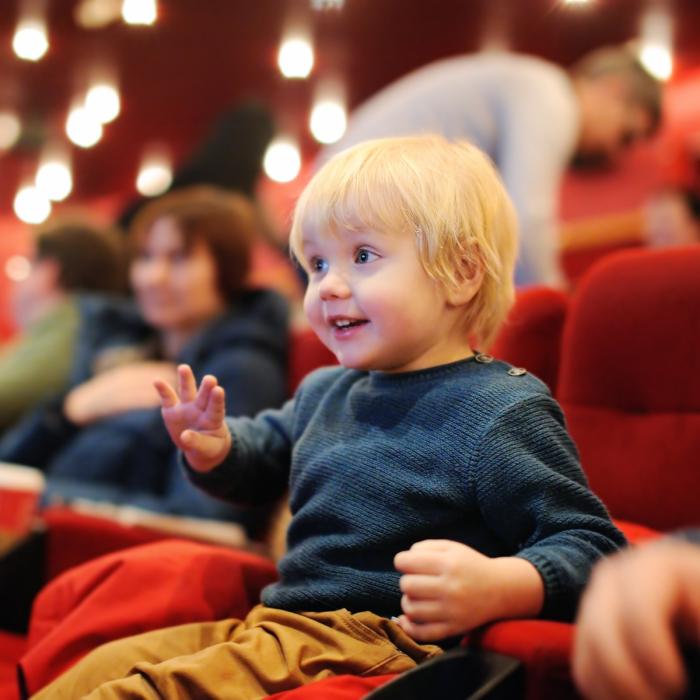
pixel 531 117
pixel 416 445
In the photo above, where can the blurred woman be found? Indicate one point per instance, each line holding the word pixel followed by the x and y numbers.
pixel 189 272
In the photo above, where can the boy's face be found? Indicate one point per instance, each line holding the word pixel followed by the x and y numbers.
pixel 371 302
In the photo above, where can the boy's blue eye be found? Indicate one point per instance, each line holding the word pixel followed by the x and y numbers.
pixel 363 256
pixel 318 264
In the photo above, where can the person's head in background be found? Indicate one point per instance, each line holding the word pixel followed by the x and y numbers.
pixel 620 103
pixel 69 257
pixel 409 244
pixel 191 253
pixel 229 156
pixel 673 218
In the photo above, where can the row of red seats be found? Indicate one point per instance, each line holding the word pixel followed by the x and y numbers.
pixel 622 356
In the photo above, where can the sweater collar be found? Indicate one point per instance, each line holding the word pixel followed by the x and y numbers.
pixel 378 378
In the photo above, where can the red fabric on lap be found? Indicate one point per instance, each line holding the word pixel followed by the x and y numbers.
pixel 135 590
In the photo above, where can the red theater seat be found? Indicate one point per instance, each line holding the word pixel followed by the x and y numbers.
pixel 630 384
pixel 531 336
pixel 630 388
pixel 306 353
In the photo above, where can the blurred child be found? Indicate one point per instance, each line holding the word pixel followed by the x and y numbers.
pixel 409 245
pixel 69 258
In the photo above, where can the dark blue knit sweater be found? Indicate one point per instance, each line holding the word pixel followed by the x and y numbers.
pixel 375 462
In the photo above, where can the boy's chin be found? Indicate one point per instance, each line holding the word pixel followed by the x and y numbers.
pixel 361 364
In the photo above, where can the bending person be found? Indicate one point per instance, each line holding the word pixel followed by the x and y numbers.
pixel 531 117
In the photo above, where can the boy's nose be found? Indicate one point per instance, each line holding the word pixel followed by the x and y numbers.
pixel 333 286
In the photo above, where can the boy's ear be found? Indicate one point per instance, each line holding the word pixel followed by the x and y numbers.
pixel 470 275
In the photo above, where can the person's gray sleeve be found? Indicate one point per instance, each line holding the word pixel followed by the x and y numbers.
pixel 691 535
pixel 256 470
pixel 537 133
pixel 532 493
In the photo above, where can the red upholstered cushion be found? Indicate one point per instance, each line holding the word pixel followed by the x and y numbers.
pixel 531 336
pixel 12 646
pixel 637 534
pixel 8 686
pixel 544 647
pixel 73 538
pixel 134 590
pixel 630 383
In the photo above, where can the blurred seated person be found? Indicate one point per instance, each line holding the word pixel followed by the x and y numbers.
pixel 68 257
pixel 105 439
pixel 638 627
pixel 230 157
pixel 673 218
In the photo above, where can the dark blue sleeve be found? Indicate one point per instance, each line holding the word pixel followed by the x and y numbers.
pixel 256 470
pixel 533 494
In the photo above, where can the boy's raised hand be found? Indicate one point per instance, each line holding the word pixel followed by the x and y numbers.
pixel 195 418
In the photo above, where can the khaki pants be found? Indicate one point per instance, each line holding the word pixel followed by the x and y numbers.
pixel 270 651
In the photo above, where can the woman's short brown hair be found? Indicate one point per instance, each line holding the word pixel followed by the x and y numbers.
pixel 225 222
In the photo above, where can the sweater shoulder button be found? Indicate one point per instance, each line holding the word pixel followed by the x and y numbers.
pixel 517 371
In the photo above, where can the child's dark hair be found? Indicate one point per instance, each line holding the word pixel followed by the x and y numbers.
pixel 89 259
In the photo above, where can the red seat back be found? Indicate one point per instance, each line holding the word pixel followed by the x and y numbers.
pixel 630 384
pixel 306 353
pixel 531 336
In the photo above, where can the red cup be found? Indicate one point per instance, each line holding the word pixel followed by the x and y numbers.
pixel 20 493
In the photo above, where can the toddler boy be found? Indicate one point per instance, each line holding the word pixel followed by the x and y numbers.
pixel 409 245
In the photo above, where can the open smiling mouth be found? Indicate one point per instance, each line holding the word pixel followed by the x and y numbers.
pixel 346 324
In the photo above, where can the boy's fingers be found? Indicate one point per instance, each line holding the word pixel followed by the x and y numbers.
pixel 417 561
pixel 205 388
pixel 168 397
pixel 420 586
pixel 186 385
pixel 423 611
pixel 425 632
pixel 216 408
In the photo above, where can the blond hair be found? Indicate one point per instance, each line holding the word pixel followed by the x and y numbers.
pixel 447 195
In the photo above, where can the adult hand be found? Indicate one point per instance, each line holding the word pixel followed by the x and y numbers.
pixel 124 388
pixel 638 606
